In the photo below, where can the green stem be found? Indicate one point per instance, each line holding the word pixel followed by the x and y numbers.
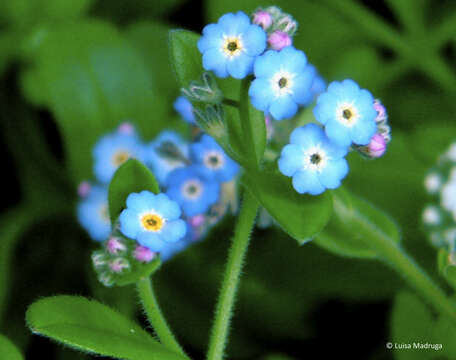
pixel 393 254
pixel 224 309
pixel 155 316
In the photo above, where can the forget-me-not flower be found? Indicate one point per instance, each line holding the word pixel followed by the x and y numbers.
pixel 283 81
pixel 347 112
pixel 214 162
pixel 314 162
pixel 93 213
pixel 153 220
pixel 230 47
pixel 166 153
pixel 113 150
pixel 192 190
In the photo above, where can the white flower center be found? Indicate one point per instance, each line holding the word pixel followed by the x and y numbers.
pixel 347 114
pixel 315 159
pixel 232 46
pixel 213 160
pixel 282 83
pixel 192 189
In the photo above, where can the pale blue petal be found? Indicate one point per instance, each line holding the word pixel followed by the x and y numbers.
pixel 325 110
pixel 362 132
pixel 214 60
pixel 151 240
pixel 166 207
pixel 283 108
pixel 212 38
pixel 302 85
pixel 293 60
pixel 291 159
pixel 254 40
pixel 240 66
pixel 338 133
pixel 267 64
pixel 137 202
pixel 332 175
pixel 173 231
pixel 129 223
pixel 307 136
pixel 307 182
pixel 261 94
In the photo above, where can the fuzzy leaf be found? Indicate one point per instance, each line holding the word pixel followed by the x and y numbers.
pixel 90 326
pixel 131 177
pixel 185 56
pixel 301 216
pixel 353 220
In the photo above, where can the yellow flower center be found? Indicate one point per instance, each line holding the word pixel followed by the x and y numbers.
pixel 347 114
pixel 120 157
pixel 232 46
pixel 152 222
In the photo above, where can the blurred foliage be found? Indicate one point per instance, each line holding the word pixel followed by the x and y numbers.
pixel 93 64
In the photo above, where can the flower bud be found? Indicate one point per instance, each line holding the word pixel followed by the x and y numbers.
pixel 118 265
pixel 143 254
pixel 126 128
pixel 262 18
pixel 381 111
pixel 84 189
pixel 278 40
pixel 204 90
pixel 115 245
pixel 212 121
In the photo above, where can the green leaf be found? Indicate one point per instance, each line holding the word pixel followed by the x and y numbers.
pixel 132 176
pixel 185 56
pixel 301 216
pixel 90 326
pixel 8 350
pixel 253 125
pixel 353 220
pixel 92 82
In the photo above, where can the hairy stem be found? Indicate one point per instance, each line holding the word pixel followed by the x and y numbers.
pixel 224 309
pixel 396 257
pixel 155 316
pixel 230 102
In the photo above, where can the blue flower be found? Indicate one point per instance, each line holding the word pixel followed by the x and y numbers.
pixel 93 213
pixel 283 81
pixel 314 162
pixel 347 112
pixel 113 150
pixel 185 109
pixel 213 160
pixel 192 190
pixel 231 46
pixel 152 220
pixel 166 153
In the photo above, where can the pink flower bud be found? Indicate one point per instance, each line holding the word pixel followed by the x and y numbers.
pixel 381 111
pixel 262 18
pixel 115 245
pixel 118 265
pixel 377 146
pixel 126 128
pixel 84 188
pixel 278 40
pixel 197 220
pixel 143 254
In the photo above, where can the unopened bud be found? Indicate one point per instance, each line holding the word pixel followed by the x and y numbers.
pixel 262 18
pixel 278 40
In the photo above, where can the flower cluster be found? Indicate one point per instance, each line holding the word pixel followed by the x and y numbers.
pixel 346 116
pixel 439 216
pixel 198 180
